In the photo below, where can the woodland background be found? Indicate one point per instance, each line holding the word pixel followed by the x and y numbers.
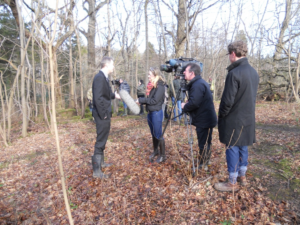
pixel 49 55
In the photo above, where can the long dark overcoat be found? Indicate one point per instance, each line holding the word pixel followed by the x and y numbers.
pixel 236 122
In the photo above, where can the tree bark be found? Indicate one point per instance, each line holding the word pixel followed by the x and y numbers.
pixel 80 75
pixel 23 97
pixel 3 127
pixel 33 80
pixel 147 45
pixel 71 80
pixel 91 33
pixel 181 31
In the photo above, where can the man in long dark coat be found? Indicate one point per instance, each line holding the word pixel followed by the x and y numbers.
pixel 102 95
pixel 236 122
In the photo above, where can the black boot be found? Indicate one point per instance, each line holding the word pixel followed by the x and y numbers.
pixel 162 151
pixel 103 164
pixel 97 172
pixel 155 148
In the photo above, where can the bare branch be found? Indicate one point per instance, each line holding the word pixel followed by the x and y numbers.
pixel 171 8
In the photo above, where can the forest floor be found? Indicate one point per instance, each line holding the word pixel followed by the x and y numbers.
pixel 142 193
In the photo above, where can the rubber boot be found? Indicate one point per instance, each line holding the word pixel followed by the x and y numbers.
pixel 97 172
pixel 103 164
pixel 125 112
pixel 162 151
pixel 155 148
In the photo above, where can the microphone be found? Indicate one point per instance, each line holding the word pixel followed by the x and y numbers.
pixel 134 108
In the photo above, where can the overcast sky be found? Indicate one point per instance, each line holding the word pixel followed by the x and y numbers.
pixel 215 17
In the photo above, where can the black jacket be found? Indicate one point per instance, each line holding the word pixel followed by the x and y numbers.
pixel 237 107
pixel 102 96
pixel 155 99
pixel 200 104
pixel 125 86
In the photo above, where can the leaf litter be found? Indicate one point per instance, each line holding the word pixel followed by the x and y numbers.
pixel 142 193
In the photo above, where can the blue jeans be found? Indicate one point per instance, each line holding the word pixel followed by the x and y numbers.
pixel 125 106
pixel 155 123
pixel 178 106
pixel 237 161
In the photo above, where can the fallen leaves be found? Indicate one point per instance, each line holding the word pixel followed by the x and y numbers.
pixel 139 192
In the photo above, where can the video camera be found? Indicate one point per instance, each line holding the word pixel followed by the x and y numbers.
pixel 178 65
pixel 116 82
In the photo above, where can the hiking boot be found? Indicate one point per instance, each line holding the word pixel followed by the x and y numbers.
pixel 226 186
pixel 242 180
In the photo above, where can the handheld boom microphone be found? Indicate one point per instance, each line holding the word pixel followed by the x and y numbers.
pixel 134 108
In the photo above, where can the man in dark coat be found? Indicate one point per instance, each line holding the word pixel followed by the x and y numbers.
pixel 102 95
pixel 201 108
pixel 124 86
pixel 237 114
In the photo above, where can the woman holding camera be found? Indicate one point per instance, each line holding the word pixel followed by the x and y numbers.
pixel 153 103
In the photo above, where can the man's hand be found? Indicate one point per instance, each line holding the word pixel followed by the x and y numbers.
pixel 183 104
pixel 137 102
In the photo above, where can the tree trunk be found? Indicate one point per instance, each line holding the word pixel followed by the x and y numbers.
pixel 90 35
pixel 53 69
pixel 188 51
pixel 23 96
pixel 71 80
pixel 80 75
pixel 162 31
pixel 109 39
pixel 58 93
pixel 3 127
pixel 147 46
pixel 33 80
pixel 181 31
pixel 297 84
pixel 43 97
pixel 10 103
pixel 284 26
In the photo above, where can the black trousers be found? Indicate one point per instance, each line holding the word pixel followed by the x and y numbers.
pixel 204 136
pixel 102 127
pixel 142 106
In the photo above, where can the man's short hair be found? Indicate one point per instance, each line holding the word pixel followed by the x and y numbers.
pixel 239 48
pixel 194 68
pixel 105 60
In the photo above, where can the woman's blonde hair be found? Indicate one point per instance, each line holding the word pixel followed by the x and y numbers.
pixel 157 76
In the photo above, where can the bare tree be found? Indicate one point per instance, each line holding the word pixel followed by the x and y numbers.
pixel 52 69
pixel 147 41
pixel 186 11
pixel 23 52
pixel 92 10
